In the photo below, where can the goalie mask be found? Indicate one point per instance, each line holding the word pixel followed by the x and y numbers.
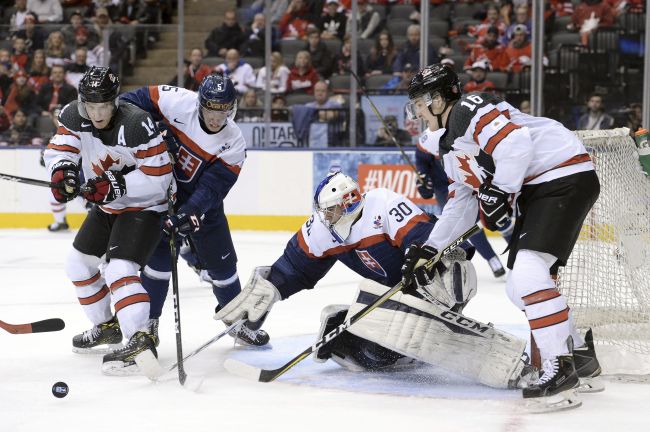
pixel 338 203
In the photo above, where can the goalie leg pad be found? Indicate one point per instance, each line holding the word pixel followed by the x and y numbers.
pixel 423 331
pixel 349 351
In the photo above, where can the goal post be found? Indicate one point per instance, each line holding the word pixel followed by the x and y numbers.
pixel 607 278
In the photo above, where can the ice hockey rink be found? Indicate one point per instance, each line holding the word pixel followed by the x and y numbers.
pixel 312 396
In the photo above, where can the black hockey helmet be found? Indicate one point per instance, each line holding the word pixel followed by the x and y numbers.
pixel 435 78
pixel 99 84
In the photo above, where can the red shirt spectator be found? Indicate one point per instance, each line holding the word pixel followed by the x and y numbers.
pixel 489 49
pixel 561 7
pixel 302 76
pixel 478 72
pixel 601 10
pixel 492 20
pixel 519 50
pixel 296 20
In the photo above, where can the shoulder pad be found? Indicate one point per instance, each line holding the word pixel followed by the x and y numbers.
pixel 70 118
pixel 139 127
pixel 465 109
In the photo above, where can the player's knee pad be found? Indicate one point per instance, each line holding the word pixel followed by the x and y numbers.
pixel 350 351
pixel 79 266
pixel 156 274
pixel 456 285
pixel 118 269
pixel 530 273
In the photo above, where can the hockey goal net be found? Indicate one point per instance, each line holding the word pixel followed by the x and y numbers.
pixel 607 278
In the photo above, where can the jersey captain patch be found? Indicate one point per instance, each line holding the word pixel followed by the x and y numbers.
pixel 186 165
pixel 370 262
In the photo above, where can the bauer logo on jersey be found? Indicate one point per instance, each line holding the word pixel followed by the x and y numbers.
pixel 186 165
pixel 370 262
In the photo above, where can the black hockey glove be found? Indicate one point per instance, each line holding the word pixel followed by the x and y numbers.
pixel 495 210
pixel 425 186
pixel 106 188
pixel 65 181
pixel 413 271
pixel 182 223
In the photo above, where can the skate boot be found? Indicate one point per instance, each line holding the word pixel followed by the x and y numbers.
pixel 56 226
pixel 556 388
pixel 152 328
pixel 496 267
pixel 122 361
pixel 248 334
pixel 100 339
pixel 587 366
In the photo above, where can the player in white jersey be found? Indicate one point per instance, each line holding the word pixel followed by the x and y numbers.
pixel 492 151
pixel 121 152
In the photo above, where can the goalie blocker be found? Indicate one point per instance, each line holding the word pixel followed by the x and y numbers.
pixel 406 328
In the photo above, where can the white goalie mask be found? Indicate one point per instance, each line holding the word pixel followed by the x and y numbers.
pixel 338 202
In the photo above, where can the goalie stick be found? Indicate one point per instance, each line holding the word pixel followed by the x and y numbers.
pixel 48 325
pixel 267 375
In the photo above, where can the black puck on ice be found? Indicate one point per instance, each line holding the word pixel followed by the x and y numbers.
pixel 60 389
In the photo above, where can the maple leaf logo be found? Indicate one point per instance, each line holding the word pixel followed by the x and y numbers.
pixel 104 164
pixel 470 178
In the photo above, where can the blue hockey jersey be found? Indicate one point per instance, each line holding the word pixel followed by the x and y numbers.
pixel 375 248
pixel 207 164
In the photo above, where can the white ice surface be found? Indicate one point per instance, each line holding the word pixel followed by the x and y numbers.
pixel 313 397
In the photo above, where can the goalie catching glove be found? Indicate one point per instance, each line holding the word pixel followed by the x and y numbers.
pixel 254 301
pixel 106 188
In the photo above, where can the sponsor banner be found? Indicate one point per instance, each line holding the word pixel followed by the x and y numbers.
pixel 373 170
pixel 388 105
pixel 282 135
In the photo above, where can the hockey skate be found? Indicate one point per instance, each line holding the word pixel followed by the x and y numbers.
pixel 556 389
pixel 245 335
pixel 496 267
pixel 122 362
pixel 100 339
pixel 56 226
pixel 152 328
pixel 588 367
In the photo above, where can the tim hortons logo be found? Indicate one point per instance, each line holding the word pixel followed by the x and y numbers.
pixel 105 164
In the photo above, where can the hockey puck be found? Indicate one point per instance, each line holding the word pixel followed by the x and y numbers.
pixel 60 389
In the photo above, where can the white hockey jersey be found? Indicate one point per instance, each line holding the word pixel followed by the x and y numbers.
pixel 131 145
pixel 489 137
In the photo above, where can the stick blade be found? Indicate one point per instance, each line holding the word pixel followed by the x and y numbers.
pixel 243 370
pixel 48 325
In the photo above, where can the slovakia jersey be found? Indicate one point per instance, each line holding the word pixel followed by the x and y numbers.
pixel 488 137
pixel 131 145
pixel 207 164
pixel 389 224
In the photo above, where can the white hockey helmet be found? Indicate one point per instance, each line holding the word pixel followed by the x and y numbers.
pixel 338 202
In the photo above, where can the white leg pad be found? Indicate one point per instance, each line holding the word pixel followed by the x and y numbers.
pixel 426 332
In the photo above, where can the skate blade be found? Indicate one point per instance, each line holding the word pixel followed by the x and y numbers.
pixel 101 349
pixel 591 385
pixel 562 401
pixel 149 366
pixel 118 368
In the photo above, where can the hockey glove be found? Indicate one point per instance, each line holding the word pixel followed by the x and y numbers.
pixel 495 210
pixel 253 302
pixel 65 181
pixel 106 188
pixel 413 272
pixel 182 223
pixel 425 186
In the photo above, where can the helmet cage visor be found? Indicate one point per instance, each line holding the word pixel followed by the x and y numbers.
pixel 415 105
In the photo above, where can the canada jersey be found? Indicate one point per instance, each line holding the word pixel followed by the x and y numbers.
pixel 202 159
pixel 487 137
pixel 388 224
pixel 131 145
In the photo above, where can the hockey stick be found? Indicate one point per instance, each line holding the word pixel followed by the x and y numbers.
pixel 35 182
pixel 48 325
pixel 383 122
pixel 267 375
pixel 182 376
